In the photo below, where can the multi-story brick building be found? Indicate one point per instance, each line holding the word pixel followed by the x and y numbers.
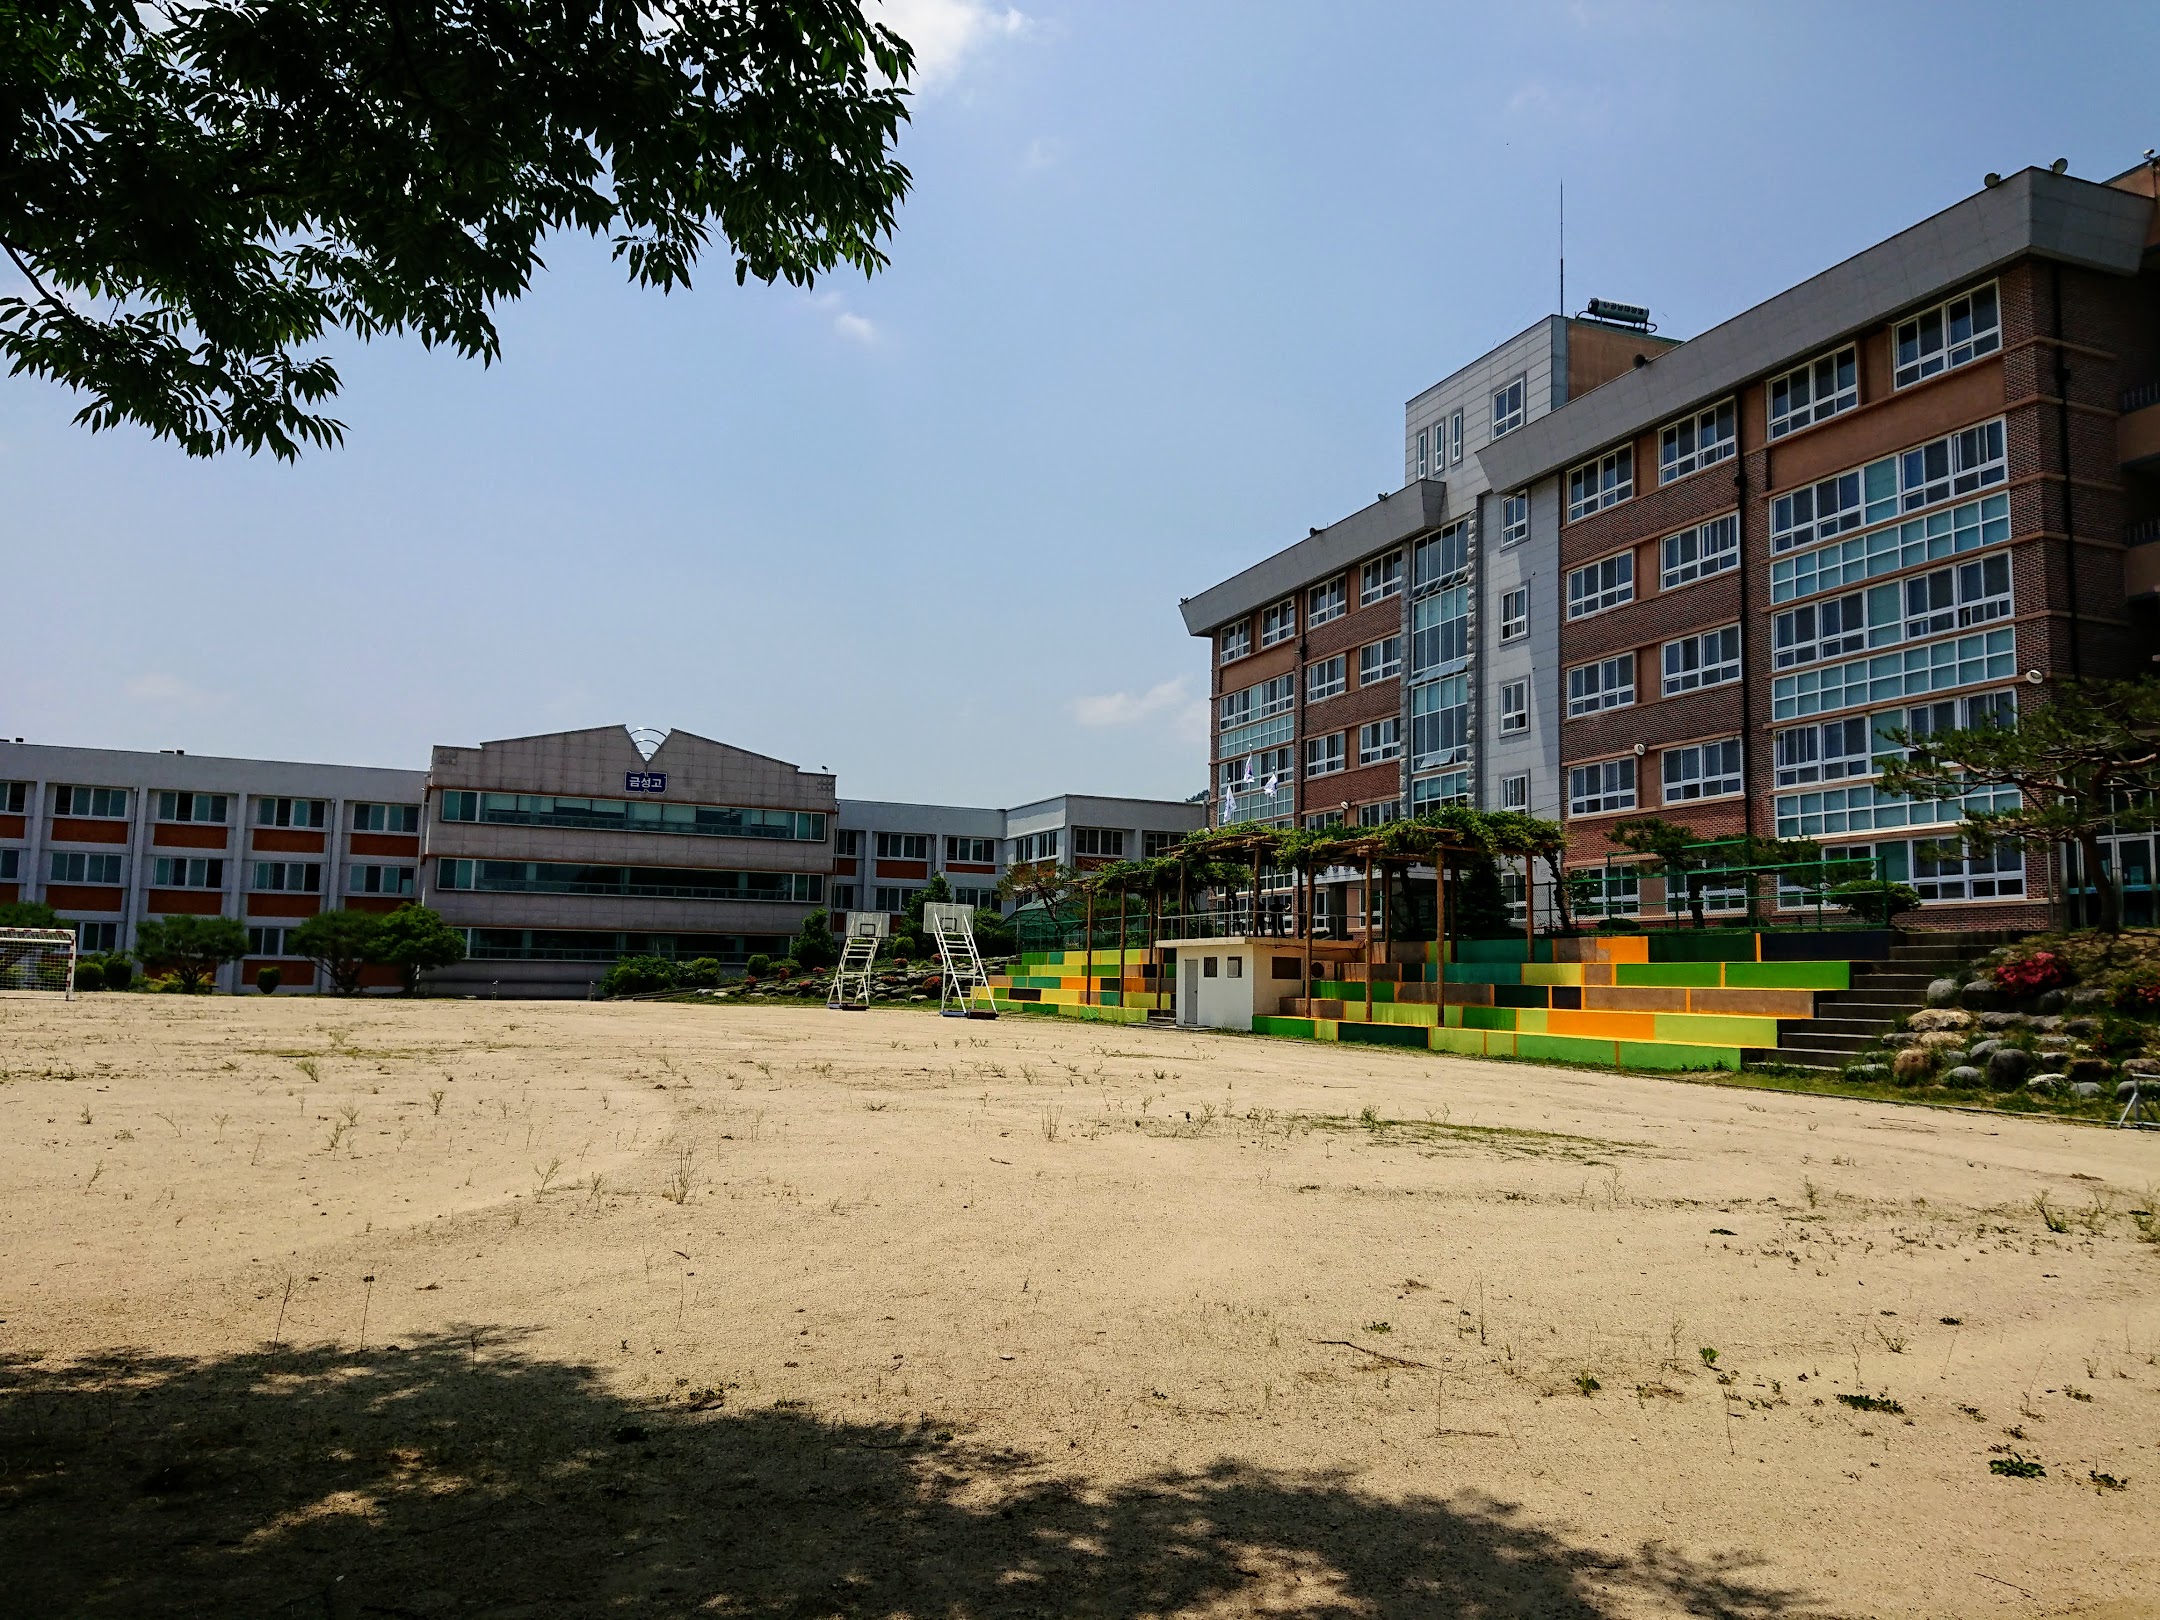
pixel 1369 666
pixel 1898 495
pixel 109 838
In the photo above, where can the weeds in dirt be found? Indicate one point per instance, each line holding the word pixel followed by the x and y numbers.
pixel 681 1175
pixel 2106 1482
pixel 1587 1383
pixel 1873 1403
pixel 435 1100
pixel 1709 1355
pixel 309 1067
pixel 1053 1122
pixel 547 1176
pixel 2014 1466
pixel 2051 1217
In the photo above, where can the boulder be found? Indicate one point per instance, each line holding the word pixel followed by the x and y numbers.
pixel 1942 993
pixel 2125 1090
pixel 2003 1020
pixel 1871 1073
pixel 1983 1050
pixel 2085 1090
pixel 2048 1024
pixel 1979 994
pixel 2044 1085
pixel 1941 1041
pixel 2083 1027
pixel 1939 1018
pixel 2090 995
pixel 2055 1043
pixel 1912 1064
pixel 2148 1067
pixel 2007 1068
pixel 1964 1078
pixel 2051 1001
pixel 1899 1037
pixel 2097 1070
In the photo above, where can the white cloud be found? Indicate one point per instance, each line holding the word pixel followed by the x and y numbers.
pixel 946 33
pixel 159 687
pixel 1041 153
pixel 1130 708
pixel 855 328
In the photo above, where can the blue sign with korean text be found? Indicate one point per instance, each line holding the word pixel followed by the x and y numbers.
pixel 644 781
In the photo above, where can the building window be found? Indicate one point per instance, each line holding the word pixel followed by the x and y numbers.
pixel 10 865
pixel 1514 519
pixel 1380 579
pixel 1950 335
pixel 972 851
pixel 1430 792
pixel 1595 485
pixel 1515 791
pixel 191 807
pixel 1380 741
pixel 1379 661
pixel 1507 407
pixel 1951 466
pixel 845 897
pixel 1967 527
pixel 71 867
pixel 1606 583
pixel 97 936
pixel 1379 815
pixel 1695 442
pixel 847 841
pixel 1515 613
pixel 378 880
pixel 1440 722
pixel 1233 642
pixel 1710 659
pixel 1323 818
pixel 892 899
pixel 1153 844
pixel 1697 553
pixel 386 818
pixel 1828 752
pixel 1440 560
pixel 1324 755
pixel 1440 631
pixel 1042 846
pixel 1702 771
pixel 266 941
pixel 13 796
pixel 1278 696
pixel 288 877
pixel 1819 512
pixel 1325 601
pixel 903 846
pixel 1455 438
pixel 1823 629
pixel 290 812
pixel 1108 842
pixel 1596 790
pixel 1514 707
pixel 974 898
pixel 176 872
pixel 1278 623
pixel 1424 452
pixel 1326 679
pixel 103 804
pixel 1607 684
pixel 1957 598
pixel 1814 392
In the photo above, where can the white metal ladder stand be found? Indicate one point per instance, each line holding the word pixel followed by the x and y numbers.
pixel 2141 1109
pixel 953 927
pixel 859 941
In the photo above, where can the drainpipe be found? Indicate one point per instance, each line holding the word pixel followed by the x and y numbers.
pixel 2062 418
pixel 1748 731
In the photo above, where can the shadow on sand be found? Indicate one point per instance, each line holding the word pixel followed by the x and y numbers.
pixel 434 1480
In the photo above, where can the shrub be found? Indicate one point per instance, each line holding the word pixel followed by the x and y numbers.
pixel 701 973
pixel 994 935
pixel 89 973
pixel 119 973
pixel 2141 999
pixel 191 947
pixel 814 946
pixel 1873 900
pixel 2031 974
pixel 414 938
pixel 339 943
pixel 901 948
pixel 637 976
pixel 758 966
pixel 783 969
pixel 268 979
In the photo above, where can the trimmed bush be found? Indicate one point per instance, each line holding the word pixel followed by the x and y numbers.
pixel 1874 901
pixel 701 973
pixel 268 979
pixel 758 966
pixel 637 976
pixel 119 973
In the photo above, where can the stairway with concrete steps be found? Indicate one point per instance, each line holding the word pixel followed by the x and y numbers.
pixel 1848 1022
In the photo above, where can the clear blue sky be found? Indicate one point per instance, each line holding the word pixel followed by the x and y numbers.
pixel 1168 274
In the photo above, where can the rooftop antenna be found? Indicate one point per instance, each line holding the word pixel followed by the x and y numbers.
pixel 1563 247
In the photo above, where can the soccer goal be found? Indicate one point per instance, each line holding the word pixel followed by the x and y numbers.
pixel 38 959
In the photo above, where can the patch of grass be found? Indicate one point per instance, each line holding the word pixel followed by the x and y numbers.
pixel 1379 1327
pixel 2106 1482
pixel 1873 1403
pixel 2054 1219
pixel 1708 1354
pixel 1587 1383
pixel 2014 1466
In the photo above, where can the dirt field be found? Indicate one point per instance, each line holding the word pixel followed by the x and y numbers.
pixel 535 1310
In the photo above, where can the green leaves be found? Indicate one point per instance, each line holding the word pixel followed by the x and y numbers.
pixel 198 193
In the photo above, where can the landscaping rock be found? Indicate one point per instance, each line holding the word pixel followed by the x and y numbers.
pixel 2085 1090
pixel 2044 1085
pixel 2003 1020
pixel 2097 1070
pixel 2090 995
pixel 1942 993
pixel 1942 1041
pixel 2007 1068
pixel 2081 1026
pixel 1872 1073
pixel 2125 1090
pixel 2048 1025
pixel 2051 1001
pixel 2055 1043
pixel 1913 1063
pixel 2148 1067
pixel 1983 1050
pixel 1939 1018
pixel 1900 1037
pixel 1979 994
pixel 1964 1078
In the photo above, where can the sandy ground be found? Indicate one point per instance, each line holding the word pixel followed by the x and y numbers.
pixel 334 1309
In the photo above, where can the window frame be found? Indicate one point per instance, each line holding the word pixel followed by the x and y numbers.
pixel 963 850
pixel 1673 576
pixel 1977 345
pixel 1729 778
pixel 1515 613
pixel 1514 518
pixel 1509 798
pixel 1283 629
pixel 1327 677
pixel 1727 669
pixel 84 862
pixel 1390 577
pixel 1510 413
pixel 898 846
pixel 98 795
pixel 1597 597
pixel 1585 702
pixel 1335 601
pixel 1234 641
pixel 163 867
pixel 270 807
pixel 1723 422
pixel 1331 760
pixel 181 799
pixel 1610 770
pixel 1375 663
pixel 1605 492
pixel 1380 741
pixel 1514 707
pixel 309 882
pixel 1843 397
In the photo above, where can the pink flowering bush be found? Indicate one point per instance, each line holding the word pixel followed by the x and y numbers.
pixel 2029 975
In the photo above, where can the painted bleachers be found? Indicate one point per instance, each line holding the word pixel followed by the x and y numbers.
pixel 1083 984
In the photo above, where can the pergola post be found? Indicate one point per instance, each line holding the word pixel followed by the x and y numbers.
pixel 1440 928
pixel 1087 953
pixel 1368 937
pixel 1529 909
pixel 1121 896
pixel 1309 881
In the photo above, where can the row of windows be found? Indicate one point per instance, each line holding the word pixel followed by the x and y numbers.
pixel 1709 770
pixel 1378 580
pixel 111 804
pixel 1838 750
pixel 1440 723
pixel 583 945
pixel 1440 446
pixel 1967 527
pixel 1689 663
pixel 1936 869
pixel 1957 464
pixel 916 847
pixel 1910 609
pixel 1952 334
pixel 646 882
pixel 208 872
pixel 632 815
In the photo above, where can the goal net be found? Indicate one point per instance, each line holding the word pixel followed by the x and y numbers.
pixel 38 959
